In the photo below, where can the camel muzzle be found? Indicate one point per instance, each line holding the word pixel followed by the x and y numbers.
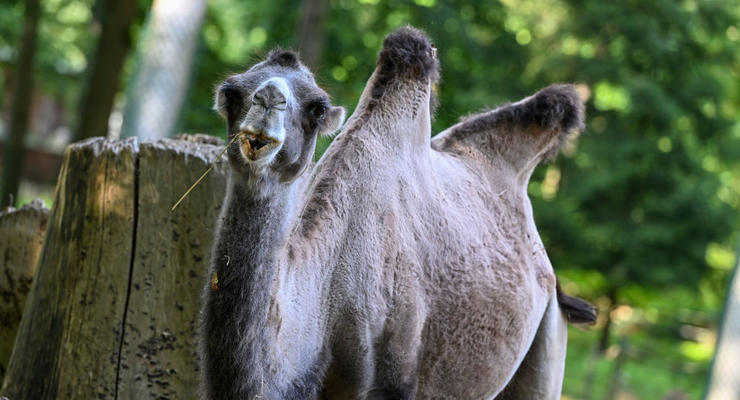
pixel 255 145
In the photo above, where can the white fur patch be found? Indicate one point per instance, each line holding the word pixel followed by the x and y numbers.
pixel 282 85
pixel 274 126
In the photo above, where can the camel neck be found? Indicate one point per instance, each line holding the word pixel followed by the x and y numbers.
pixel 253 225
pixel 237 308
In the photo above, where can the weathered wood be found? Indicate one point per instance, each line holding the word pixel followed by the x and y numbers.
pixel 159 354
pixel 69 338
pixel 113 312
pixel 22 233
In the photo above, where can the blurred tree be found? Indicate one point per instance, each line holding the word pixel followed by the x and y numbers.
pixel 23 82
pixel 65 32
pixel 642 199
pixel 104 74
pixel 312 31
pixel 164 68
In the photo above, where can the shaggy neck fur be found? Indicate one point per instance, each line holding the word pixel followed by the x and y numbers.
pixel 243 313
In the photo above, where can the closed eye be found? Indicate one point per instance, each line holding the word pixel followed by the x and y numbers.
pixel 318 110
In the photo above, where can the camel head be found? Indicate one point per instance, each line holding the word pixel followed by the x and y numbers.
pixel 277 110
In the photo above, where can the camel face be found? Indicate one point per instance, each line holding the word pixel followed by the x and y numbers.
pixel 264 127
pixel 277 110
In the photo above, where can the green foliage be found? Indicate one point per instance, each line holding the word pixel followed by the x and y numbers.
pixel 67 33
pixel 64 39
pixel 643 193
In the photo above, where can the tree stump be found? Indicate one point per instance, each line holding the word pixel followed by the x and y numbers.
pixel 21 236
pixel 113 312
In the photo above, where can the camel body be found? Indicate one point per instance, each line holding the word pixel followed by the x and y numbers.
pixel 438 270
pixel 398 267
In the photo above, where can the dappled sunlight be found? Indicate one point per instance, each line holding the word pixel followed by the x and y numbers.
pixel 112 197
pixel 551 183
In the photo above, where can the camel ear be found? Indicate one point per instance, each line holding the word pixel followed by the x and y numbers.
pixel 332 121
pixel 228 99
pixel 219 102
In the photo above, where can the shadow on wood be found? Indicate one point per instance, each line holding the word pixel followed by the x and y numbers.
pixel 113 312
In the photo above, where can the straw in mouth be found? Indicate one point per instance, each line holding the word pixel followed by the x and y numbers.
pixel 187 192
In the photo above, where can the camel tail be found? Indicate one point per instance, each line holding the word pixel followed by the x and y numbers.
pixel 576 310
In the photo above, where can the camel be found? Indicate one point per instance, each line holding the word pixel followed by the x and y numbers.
pixel 278 111
pixel 397 267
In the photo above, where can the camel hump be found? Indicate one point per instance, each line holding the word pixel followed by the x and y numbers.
pixel 576 310
pixel 558 108
pixel 524 133
pixel 408 54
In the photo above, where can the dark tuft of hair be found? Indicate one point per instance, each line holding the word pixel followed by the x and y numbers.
pixel 283 58
pixel 408 54
pixel 576 310
pixel 556 107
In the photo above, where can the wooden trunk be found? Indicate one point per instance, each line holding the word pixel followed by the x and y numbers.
pixel 22 233
pixel 113 312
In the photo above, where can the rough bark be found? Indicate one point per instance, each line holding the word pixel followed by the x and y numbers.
pixel 102 84
pixel 115 257
pixel 159 357
pixel 312 31
pixel 19 113
pixel 68 340
pixel 21 236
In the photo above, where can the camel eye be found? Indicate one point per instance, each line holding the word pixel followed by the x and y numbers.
pixel 318 111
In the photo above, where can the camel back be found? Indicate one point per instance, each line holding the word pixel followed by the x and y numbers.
pixel 113 310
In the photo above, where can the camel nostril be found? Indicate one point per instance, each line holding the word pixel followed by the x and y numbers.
pixel 270 96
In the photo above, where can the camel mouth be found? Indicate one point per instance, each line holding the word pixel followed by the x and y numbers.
pixel 258 142
pixel 255 145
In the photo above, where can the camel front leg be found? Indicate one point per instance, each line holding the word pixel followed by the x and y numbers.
pixel 398 348
pixel 540 375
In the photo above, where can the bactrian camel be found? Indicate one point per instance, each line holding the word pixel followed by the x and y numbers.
pixel 397 267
